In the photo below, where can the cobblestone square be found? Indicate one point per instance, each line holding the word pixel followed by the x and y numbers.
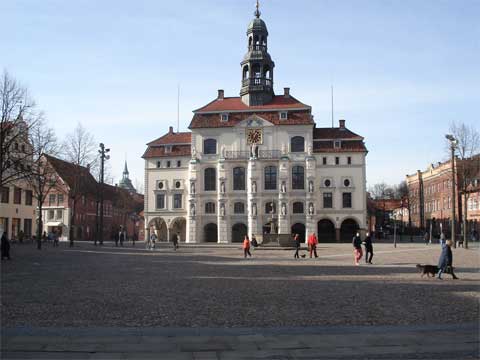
pixel 214 287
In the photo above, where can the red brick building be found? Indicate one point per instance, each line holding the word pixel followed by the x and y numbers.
pixel 72 206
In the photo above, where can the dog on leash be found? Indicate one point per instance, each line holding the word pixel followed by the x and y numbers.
pixel 428 269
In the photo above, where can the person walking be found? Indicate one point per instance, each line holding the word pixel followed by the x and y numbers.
pixel 443 240
pixel 312 244
pixel 151 244
pixel 296 239
pixel 5 246
pixel 123 235
pixel 246 247
pixel 357 248
pixel 116 237
pixel 254 242
pixel 445 263
pixel 426 237
pixel 175 241
pixel 44 237
pixel 55 238
pixel 368 248
pixel 134 238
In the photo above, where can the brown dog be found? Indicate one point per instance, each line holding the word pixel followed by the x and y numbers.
pixel 428 269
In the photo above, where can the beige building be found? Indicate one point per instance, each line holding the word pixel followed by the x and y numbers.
pixel 17 211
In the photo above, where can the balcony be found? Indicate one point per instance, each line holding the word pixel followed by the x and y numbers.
pixel 262 155
pixel 257 81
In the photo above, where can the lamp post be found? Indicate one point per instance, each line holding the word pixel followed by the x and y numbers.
pixel 103 156
pixel 453 146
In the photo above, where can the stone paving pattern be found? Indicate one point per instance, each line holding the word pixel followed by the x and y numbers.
pixel 203 287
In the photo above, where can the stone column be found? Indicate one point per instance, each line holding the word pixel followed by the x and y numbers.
pixel 283 198
pixel 311 204
pixel 222 230
pixel 253 204
pixel 192 203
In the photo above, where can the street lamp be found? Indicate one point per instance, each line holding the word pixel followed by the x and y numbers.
pixel 453 146
pixel 103 156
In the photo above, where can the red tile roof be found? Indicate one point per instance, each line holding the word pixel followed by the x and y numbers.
pixel 159 151
pixel 173 138
pixel 346 146
pixel 334 133
pixel 212 120
pixel 235 104
pixel 76 177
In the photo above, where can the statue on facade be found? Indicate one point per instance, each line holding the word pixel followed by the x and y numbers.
pixel 284 187
pixel 284 149
pixel 284 209
pixel 192 209
pixel 222 210
pixel 194 152
pixel 222 187
pixel 223 151
pixel 253 151
pixel 254 209
pixel 192 188
pixel 311 209
pixel 310 186
pixel 254 186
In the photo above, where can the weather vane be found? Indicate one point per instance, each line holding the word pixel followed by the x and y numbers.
pixel 257 11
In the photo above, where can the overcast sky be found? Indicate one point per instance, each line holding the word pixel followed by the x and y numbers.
pixel 401 70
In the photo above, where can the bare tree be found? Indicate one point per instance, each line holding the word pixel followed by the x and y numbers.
pixel 18 116
pixel 468 165
pixel 79 148
pixel 139 186
pixel 41 176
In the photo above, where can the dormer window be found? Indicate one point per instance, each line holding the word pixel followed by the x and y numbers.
pixel 168 148
pixel 337 144
pixel 224 117
pixel 283 115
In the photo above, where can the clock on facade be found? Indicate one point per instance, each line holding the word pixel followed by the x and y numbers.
pixel 254 136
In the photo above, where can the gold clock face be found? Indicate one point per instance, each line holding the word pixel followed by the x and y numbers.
pixel 254 136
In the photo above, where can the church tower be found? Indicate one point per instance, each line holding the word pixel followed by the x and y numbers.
pixel 257 65
pixel 126 183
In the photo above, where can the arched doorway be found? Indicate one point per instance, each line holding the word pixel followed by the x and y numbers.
pixel 348 229
pixel 326 231
pixel 210 233
pixel 299 229
pixel 238 232
pixel 179 227
pixel 159 226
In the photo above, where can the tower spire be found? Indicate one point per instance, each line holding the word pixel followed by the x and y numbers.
pixel 257 12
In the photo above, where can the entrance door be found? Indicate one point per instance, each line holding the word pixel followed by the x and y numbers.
pixel 238 232
pixel 210 233
pixel 326 231
pixel 299 229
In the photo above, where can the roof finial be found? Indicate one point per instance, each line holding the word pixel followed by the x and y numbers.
pixel 257 11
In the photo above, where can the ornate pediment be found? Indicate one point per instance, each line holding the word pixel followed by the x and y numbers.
pixel 254 121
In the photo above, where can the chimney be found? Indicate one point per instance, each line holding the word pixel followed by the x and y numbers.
pixel 286 92
pixel 220 94
pixel 170 130
pixel 341 124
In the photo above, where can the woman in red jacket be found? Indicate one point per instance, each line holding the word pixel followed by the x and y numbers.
pixel 246 246
pixel 312 244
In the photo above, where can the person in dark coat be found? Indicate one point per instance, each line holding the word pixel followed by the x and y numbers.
pixel 296 239
pixel 357 248
pixel 368 248
pixel 117 237
pixel 445 263
pixel 5 246
pixel 123 236
pixel 175 241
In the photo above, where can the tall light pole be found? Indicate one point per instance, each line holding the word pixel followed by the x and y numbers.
pixel 453 145
pixel 103 157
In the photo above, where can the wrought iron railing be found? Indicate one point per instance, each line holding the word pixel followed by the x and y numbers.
pixel 262 154
pixel 257 81
pixel 234 155
pixel 269 154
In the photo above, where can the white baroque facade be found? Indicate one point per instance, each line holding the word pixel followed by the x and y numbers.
pixel 257 165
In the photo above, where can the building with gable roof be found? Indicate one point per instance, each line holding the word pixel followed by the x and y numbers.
pixel 255 164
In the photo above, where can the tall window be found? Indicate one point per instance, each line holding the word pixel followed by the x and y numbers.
pixel 210 179
pixel 239 208
pixel 239 178
pixel 270 178
pixel 327 200
pixel 210 208
pixel 51 199
pixel 298 207
pixel 298 177
pixel 5 194
pixel 297 144
pixel 28 197
pixel 17 195
pixel 60 199
pixel 160 201
pixel 210 146
pixel 177 201
pixel 270 208
pixel 347 200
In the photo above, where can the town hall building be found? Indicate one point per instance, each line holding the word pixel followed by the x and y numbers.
pixel 255 164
